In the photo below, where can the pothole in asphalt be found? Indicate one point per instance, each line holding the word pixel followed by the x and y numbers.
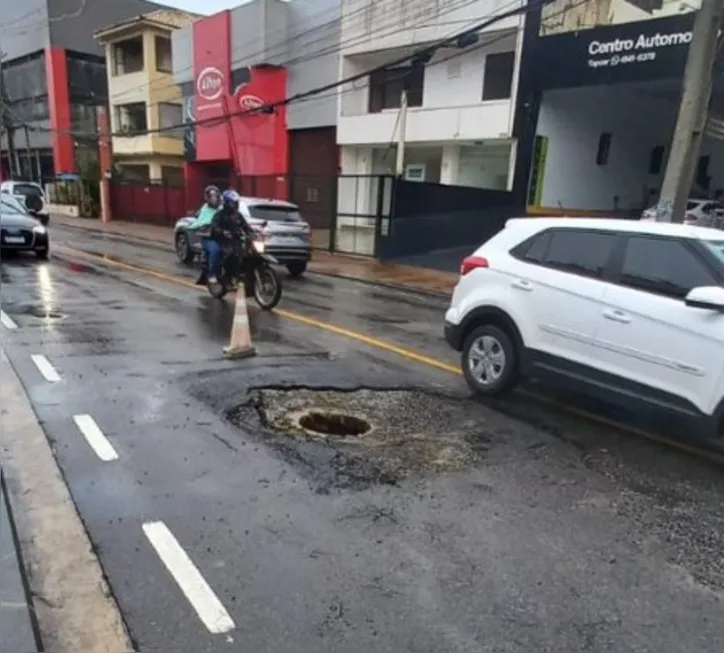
pixel 324 423
pixel 354 439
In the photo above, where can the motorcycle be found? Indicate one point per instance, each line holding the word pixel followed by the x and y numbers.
pixel 243 261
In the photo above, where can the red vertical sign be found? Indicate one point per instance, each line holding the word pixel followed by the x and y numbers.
pixel 261 139
pixel 212 78
pixel 56 71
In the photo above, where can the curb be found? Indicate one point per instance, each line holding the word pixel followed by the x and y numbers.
pixel 77 610
pixel 437 294
pixel 20 561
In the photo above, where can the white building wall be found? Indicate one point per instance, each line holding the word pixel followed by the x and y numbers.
pixel 574 120
pixel 313 45
pixel 370 25
pixel 452 107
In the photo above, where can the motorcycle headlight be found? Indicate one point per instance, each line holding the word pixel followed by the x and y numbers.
pixel 259 246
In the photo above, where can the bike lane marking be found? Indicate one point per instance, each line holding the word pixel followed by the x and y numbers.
pixel 187 576
pixel 49 373
pixel 95 437
pixel 7 321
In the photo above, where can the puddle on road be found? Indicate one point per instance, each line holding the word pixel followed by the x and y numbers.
pixel 84 268
pixel 40 311
pixel 412 433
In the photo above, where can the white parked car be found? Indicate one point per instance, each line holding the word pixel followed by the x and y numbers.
pixel 701 213
pixel 30 194
pixel 629 311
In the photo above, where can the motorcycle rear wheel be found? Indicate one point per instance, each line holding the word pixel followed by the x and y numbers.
pixel 267 288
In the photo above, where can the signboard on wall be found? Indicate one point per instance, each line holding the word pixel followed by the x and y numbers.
pixel 627 52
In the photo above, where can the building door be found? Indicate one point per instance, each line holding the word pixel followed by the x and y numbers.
pixel 313 168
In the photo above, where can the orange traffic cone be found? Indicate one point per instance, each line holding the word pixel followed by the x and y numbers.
pixel 240 341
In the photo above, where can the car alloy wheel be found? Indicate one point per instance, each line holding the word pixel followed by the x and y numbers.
pixel 489 361
pixel 486 359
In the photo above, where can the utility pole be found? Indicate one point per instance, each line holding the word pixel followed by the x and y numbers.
pixel 2 113
pixel 693 112
pixel 401 137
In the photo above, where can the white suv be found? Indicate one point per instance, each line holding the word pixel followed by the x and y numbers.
pixel 629 311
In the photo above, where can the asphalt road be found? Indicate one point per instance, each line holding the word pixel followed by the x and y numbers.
pixel 518 528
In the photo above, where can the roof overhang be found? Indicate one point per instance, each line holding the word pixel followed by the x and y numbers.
pixel 127 28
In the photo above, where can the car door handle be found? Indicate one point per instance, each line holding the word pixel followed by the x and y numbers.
pixel 617 316
pixel 520 284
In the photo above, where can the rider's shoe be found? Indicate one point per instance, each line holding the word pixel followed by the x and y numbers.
pixel 213 280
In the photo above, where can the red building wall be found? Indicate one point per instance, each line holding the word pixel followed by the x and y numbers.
pixel 227 132
pixel 56 71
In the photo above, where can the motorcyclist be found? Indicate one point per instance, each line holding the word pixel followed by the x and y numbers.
pixel 226 225
pixel 202 224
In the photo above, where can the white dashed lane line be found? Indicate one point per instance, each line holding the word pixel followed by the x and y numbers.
pixel 95 438
pixel 7 321
pixel 202 598
pixel 45 368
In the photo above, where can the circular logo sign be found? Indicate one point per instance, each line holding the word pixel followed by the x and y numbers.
pixel 210 83
pixel 250 102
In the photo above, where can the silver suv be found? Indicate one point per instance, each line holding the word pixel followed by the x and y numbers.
pixel 287 236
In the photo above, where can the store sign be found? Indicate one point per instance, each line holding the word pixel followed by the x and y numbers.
pixel 250 102
pixel 638 50
pixel 210 84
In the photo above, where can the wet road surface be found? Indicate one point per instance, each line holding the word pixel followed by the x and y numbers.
pixel 548 533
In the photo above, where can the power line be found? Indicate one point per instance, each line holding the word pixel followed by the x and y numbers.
pixel 426 51
pixel 417 54
pixel 455 6
pixel 458 4
pixel 331 49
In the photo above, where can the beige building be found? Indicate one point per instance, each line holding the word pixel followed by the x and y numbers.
pixel 143 95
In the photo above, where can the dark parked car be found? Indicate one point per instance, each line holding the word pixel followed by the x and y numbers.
pixel 20 231
pixel 31 195
pixel 287 236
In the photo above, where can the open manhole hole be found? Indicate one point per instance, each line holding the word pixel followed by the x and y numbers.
pixel 335 424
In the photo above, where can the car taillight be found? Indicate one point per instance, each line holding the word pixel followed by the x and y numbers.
pixel 472 263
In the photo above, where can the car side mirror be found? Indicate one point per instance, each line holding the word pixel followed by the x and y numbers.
pixel 710 298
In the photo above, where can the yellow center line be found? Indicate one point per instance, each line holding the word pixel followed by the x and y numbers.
pixel 408 354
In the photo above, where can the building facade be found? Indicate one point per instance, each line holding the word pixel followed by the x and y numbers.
pixel 143 96
pixel 607 85
pixel 52 81
pixel 459 124
pixel 261 53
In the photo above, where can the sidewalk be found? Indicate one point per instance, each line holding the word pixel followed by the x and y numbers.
pixel 336 265
pixel 16 630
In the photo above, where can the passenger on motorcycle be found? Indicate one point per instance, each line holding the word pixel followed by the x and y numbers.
pixel 228 223
pixel 202 224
